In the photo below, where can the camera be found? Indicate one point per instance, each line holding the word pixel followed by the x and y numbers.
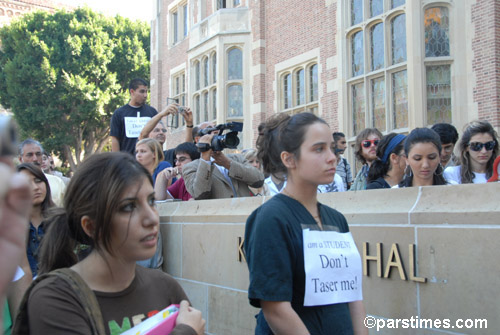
pixel 8 136
pixel 221 141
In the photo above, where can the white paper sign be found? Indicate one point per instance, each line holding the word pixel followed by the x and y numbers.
pixel 333 268
pixel 134 125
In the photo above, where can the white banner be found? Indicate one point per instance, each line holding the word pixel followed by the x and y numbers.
pixel 134 125
pixel 333 268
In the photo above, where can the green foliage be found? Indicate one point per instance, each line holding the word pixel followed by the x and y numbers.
pixel 64 74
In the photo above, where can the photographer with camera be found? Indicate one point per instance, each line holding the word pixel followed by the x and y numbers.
pixel 216 175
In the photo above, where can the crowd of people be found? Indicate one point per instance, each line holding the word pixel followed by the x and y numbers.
pixel 102 223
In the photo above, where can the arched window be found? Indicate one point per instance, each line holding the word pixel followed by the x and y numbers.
pixel 204 87
pixel 300 88
pixel 377 46
pixel 214 68
pixel 197 109
pixel 214 104
pixel 437 30
pixel 197 75
pixel 235 64
pixel 437 75
pixel 206 72
pixel 287 91
pixel 313 83
pixel 378 103
pixel 357 54
pixel 358 107
pixel 398 37
pixel 376 81
pixel 205 106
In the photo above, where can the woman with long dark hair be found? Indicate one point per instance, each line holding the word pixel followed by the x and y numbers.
pixel 281 237
pixel 422 149
pixel 388 169
pixel 109 206
pixel 42 202
pixel 478 150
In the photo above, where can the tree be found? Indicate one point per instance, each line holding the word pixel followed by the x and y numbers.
pixel 64 74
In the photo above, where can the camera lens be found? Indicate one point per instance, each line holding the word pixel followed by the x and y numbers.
pixel 231 140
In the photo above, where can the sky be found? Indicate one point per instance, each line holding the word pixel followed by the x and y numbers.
pixel 133 9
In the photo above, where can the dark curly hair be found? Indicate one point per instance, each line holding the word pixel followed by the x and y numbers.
pixel 282 133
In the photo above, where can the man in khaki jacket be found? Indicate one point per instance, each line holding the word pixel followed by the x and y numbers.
pixel 216 175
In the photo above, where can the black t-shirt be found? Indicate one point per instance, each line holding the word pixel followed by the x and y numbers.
pixel 274 253
pixel 377 183
pixel 169 156
pixel 126 117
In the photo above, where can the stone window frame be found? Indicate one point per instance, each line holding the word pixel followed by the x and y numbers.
pixel 438 61
pixel 309 105
pixel 198 93
pixel 460 49
pixel 368 75
pixel 179 9
pixel 224 4
pixel 177 91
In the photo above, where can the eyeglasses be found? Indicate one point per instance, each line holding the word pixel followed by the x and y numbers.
pixel 478 146
pixel 162 130
pixel 369 143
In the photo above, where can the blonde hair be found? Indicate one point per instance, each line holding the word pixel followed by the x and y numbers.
pixel 155 148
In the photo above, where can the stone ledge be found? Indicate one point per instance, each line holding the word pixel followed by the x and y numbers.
pixel 448 204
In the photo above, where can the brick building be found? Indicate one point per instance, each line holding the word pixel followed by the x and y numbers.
pixel 10 9
pixel 393 64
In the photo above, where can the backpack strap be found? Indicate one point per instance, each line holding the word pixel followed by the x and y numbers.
pixel 85 295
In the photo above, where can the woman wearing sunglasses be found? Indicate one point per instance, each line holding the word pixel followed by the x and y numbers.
pixel 478 150
pixel 366 152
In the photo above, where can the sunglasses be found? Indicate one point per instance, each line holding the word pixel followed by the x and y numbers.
pixel 478 146
pixel 369 143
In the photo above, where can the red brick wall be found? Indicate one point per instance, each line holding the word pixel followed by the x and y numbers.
pixel 294 30
pixel 486 62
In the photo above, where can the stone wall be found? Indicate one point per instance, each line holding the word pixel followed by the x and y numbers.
pixel 452 231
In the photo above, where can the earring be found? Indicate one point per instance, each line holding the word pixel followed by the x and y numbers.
pixel 408 171
pixel 439 170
